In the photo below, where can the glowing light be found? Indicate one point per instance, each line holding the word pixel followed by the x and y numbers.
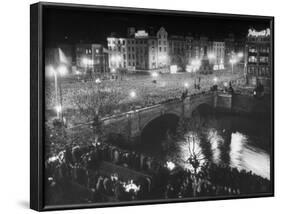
pixel 216 67
pixel 254 33
pixel 240 54
pixel 131 186
pixel 225 84
pixel 186 85
pixel 62 57
pixel 49 71
pixel 211 56
pixel 58 108
pixel 154 74
pixel 98 80
pixel 133 94
pixel 113 70
pixel 173 69
pixel 215 79
pixel 141 33
pixel 85 61
pixel 233 61
pixel 62 70
pixel 195 64
pixel 170 165
pixel 53 159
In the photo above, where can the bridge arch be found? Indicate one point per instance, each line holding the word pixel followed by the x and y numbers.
pixel 202 109
pixel 155 130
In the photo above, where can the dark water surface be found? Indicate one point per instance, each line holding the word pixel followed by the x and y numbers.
pixel 238 141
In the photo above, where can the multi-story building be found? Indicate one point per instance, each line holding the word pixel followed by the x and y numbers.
pixel 131 53
pixel 198 47
pixel 177 50
pixel 163 52
pixel 117 52
pixel 189 48
pixel 91 58
pixel 258 55
pixel 216 54
pixel 100 59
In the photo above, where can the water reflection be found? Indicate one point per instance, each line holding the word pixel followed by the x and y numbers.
pixel 244 156
pixel 242 143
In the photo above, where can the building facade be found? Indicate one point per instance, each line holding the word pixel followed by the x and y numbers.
pixel 91 58
pixel 216 54
pixel 163 48
pixel 258 55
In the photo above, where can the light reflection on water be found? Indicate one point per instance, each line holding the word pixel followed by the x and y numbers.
pixel 245 156
pixel 242 155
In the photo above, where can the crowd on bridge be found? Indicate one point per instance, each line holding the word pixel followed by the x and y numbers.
pixel 80 174
pixel 146 92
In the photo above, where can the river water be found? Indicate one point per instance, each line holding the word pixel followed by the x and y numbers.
pixel 240 142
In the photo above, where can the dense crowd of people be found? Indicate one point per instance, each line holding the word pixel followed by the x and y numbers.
pixel 147 91
pixel 79 174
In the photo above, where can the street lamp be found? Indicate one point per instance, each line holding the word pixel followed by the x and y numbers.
pixel 215 80
pixel 133 94
pixel 232 62
pixel 98 80
pixel 59 72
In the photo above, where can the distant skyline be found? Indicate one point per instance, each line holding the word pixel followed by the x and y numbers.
pixel 84 25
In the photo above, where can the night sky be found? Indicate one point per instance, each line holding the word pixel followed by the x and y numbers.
pixel 72 25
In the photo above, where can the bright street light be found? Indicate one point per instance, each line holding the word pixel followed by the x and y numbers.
pixel 62 70
pixel 85 61
pixel 154 74
pixel 98 80
pixel 133 94
pixel 240 54
pixel 232 62
pixel 58 109
pixel 186 85
pixel 195 64
pixel 215 79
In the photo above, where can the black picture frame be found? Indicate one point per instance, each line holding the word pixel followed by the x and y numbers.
pixel 37 103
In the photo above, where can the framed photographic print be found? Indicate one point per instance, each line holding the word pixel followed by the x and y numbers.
pixel 137 106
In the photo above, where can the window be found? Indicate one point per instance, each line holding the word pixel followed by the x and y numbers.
pixel 252 59
pixel 160 49
pixel 264 59
pixel 252 50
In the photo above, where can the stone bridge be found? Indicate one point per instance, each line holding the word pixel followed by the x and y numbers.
pixel 131 124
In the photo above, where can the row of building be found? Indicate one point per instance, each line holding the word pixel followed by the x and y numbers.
pixel 146 50
pixel 141 50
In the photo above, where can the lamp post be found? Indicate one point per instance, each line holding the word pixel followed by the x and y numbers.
pixel 232 62
pixel 58 73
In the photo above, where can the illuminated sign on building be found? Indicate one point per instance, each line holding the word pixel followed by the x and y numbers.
pixel 255 33
pixel 141 33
